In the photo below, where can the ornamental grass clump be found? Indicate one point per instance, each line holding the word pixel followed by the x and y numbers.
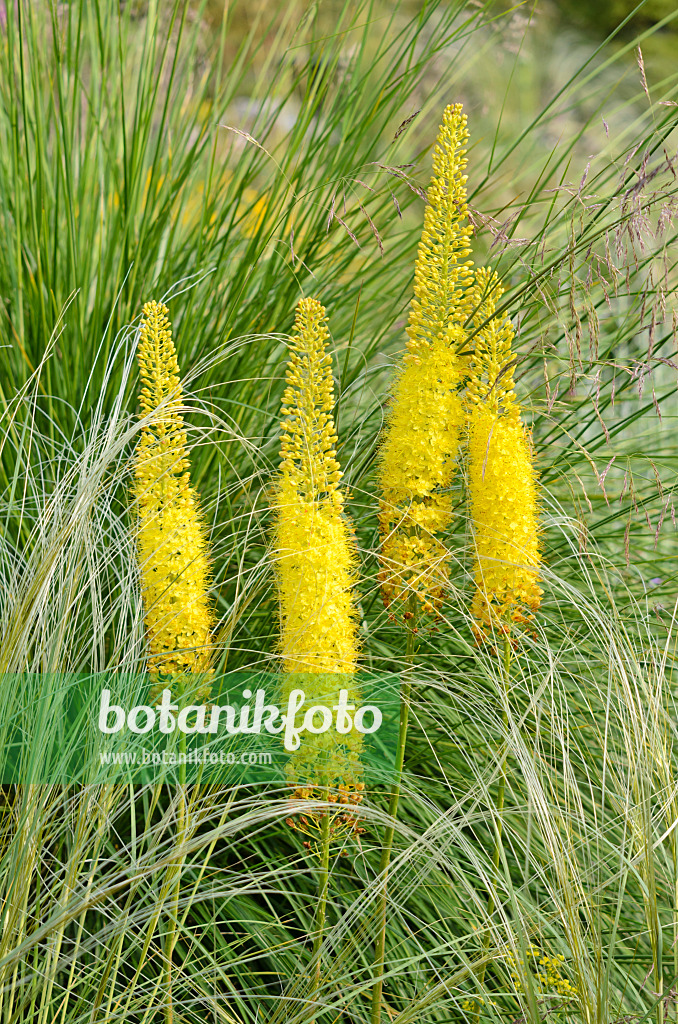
pixel 170 532
pixel 502 479
pixel 417 461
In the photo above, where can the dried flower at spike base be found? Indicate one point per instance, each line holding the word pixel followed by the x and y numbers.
pixel 170 535
pixel 344 824
pixel 502 479
pixel 426 416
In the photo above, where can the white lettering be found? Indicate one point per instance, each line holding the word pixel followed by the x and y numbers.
pixel 105 710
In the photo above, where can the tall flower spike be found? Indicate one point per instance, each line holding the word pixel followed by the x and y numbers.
pixel 502 478
pixel 315 559
pixel 171 542
pixel 316 563
pixel 424 424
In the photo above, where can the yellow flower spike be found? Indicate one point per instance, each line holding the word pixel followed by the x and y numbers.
pixel 443 278
pixel 502 478
pixel 170 535
pixel 315 565
pixel 426 416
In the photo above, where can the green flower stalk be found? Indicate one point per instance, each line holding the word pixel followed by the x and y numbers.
pixel 417 459
pixel 315 570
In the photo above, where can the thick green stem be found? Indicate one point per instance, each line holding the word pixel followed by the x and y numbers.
pixel 380 944
pixel 321 908
pixel 174 911
pixel 498 818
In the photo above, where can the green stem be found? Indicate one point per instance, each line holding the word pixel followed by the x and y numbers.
pixel 405 689
pixel 174 911
pixel 321 908
pixel 498 819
